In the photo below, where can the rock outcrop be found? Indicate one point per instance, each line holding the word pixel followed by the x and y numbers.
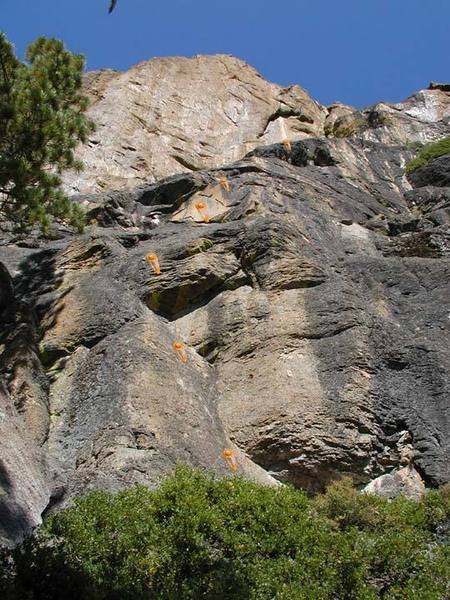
pixel 171 115
pixel 306 281
pixel 436 173
pixel 402 482
pixel 24 480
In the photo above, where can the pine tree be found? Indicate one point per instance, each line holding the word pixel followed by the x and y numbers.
pixel 41 122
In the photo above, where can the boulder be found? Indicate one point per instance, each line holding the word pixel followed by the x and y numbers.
pixel 403 482
pixel 435 173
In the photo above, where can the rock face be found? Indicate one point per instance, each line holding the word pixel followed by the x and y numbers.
pixel 307 283
pixel 436 172
pixel 171 115
pixel 24 481
pixel 404 482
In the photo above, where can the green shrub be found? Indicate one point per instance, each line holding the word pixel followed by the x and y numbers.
pixel 428 152
pixel 199 538
pixel 7 575
pixel 347 126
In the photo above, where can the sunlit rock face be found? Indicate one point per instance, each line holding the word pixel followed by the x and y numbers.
pixel 171 115
pixel 305 277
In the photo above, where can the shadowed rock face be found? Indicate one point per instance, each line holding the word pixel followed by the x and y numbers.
pixel 310 291
pixel 436 172
pixel 24 480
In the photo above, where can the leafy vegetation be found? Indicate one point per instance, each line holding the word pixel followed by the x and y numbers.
pixel 428 152
pixel 41 122
pixel 196 537
pixel 347 126
pixel 350 124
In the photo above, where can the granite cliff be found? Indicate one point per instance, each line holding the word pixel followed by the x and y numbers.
pixel 306 277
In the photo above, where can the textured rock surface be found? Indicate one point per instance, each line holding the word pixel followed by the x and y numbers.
pixel 436 172
pixel 403 482
pixel 310 289
pixel 170 115
pixel 24 482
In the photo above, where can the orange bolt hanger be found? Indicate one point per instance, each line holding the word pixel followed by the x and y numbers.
pixel 152 259
pixel 230 459
pixel 180 351
pixel 287 144
pixel 224 183
pixel 201 207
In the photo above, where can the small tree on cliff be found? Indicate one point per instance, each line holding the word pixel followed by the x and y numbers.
pixel 41 122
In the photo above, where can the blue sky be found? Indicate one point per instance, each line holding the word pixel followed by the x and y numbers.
pixel 355 51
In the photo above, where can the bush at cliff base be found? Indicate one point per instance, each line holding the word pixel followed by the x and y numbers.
pixel 197 537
